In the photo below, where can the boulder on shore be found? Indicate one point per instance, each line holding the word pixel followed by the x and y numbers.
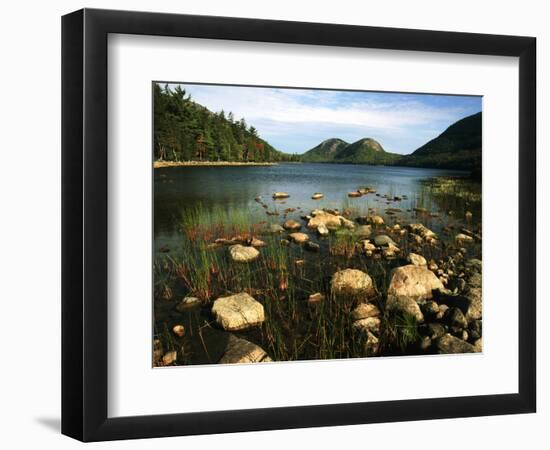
pixel 239 351
pixel 404 305
pixel 237 312
pixel 364 311
pixel 240 253
pixel 417 260
pixel 352 282
pixel 451 344
pixel 413 281
pixel 422 231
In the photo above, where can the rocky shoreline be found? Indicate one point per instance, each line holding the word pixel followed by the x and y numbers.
pixel 161 164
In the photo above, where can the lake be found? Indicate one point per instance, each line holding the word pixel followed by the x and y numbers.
pixel 178 189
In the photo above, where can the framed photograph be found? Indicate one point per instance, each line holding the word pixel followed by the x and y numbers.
pixel 273 224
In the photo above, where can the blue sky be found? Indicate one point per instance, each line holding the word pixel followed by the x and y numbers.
pixel 295 120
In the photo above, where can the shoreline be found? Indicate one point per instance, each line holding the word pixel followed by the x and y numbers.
pixel 160 164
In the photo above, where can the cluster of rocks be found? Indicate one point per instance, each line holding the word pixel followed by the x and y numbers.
pixel 449 322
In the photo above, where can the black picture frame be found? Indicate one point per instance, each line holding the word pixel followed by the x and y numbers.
pixel 84 224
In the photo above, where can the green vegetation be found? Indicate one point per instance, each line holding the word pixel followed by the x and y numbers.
pixel 187 131
pixel 364 151
pixel 458 147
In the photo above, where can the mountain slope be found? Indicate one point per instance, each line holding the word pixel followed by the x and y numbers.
pixel 364 151
pixel 325 151
pixel 458 147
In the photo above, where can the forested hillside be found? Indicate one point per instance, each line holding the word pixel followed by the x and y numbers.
pixel 187 131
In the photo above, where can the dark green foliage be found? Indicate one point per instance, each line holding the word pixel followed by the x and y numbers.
pixel 187 131
pixel 458 147
pixel 325 151
pixel 366 151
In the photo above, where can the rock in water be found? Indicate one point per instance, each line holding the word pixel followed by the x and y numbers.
pixel 277 195
pixel 292 225
pixel 240 253
pixel 317 196
pixel 376 220
pixel 451 344
pixel 417 260
pixel 352 282
pixel 331 221
pixel 239 351
pixel 299 238
pixel 275 228
pixel 322 230
pixel 462 238
pixel 238 312
pixel 413 281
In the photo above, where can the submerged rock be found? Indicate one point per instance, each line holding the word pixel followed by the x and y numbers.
pixel 240 253
pixel 451 344
pixel 352 282
pixel 238 312
pixel 275 228
pixel 240 351
pixel 298 238
pixel 414 281
pixel 354 194
pixel 292 225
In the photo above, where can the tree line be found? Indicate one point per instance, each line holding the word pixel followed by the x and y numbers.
pixel 187 131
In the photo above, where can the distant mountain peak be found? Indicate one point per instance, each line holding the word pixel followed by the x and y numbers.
pixel 363 151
